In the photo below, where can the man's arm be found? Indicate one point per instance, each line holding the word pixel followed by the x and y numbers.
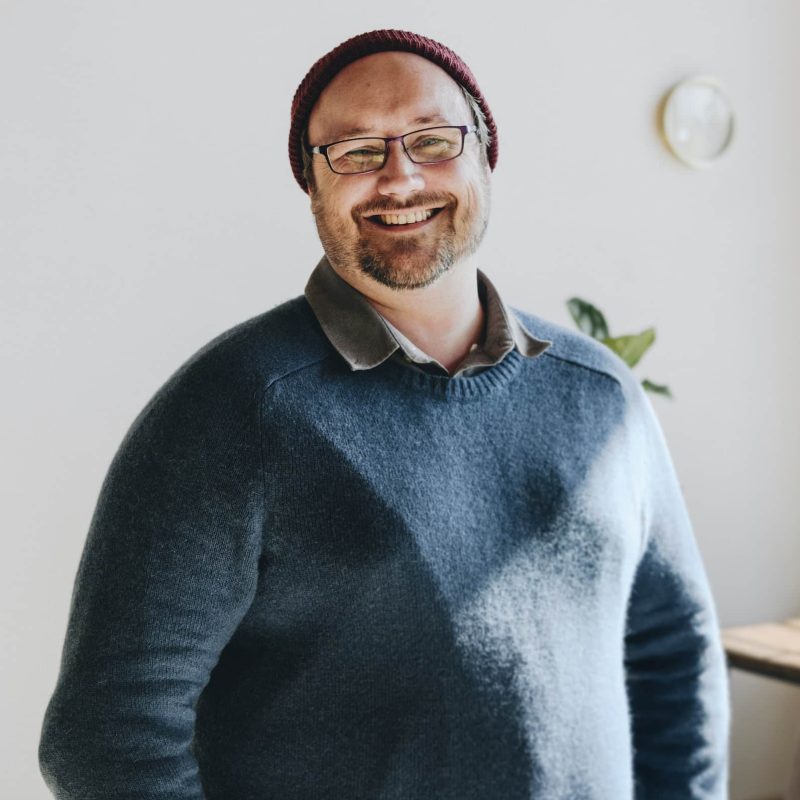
pixel 676 673
pixel 168 570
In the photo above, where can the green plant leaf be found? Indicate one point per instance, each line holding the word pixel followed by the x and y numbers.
pixel 588 318
pixel 631 348
pixel 656 388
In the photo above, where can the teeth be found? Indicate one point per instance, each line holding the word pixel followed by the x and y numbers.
pixel 405 219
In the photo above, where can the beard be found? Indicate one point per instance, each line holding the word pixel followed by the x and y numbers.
pixel 404 261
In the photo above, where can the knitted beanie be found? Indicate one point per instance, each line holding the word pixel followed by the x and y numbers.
pixel 324 70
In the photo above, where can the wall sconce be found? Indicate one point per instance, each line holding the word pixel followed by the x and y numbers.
pixel 697 120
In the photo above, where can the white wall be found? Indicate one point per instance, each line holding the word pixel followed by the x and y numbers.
pixel 147 204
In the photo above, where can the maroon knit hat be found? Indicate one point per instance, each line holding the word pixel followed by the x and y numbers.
pixel 323 72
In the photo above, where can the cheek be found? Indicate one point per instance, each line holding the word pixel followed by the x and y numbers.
pixel 473 195
pixel 480 189
pixel 336 202
pixel 472 200
pixel 326 205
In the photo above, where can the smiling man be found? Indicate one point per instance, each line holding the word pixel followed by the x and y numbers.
pixel 401 221
pixel 392 539
pixel 423 210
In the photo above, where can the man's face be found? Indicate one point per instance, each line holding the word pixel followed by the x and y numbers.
pixel 388 94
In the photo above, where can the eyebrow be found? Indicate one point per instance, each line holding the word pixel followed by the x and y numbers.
pixel 358 131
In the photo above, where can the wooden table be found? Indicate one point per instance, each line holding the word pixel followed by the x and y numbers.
pixel 771 649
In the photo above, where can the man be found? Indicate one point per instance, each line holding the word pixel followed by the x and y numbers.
pixel 392 538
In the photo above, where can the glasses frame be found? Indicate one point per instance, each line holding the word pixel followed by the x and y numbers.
pixel 322 149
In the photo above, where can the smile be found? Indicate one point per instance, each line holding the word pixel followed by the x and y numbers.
pixel 407 221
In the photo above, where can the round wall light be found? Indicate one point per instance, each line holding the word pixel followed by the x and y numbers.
pixel 697 120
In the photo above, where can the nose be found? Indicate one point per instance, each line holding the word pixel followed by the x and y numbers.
pixel 399 175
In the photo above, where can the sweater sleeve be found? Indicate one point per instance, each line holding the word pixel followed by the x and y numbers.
pixel 675 664
pixel 168 570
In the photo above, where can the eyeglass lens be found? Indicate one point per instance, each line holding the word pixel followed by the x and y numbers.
pixel 423 147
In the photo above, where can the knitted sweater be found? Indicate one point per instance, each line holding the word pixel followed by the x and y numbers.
pixel 303 581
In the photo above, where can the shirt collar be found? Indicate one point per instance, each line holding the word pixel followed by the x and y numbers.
pixel 364 338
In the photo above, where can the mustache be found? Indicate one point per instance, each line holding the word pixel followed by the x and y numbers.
pixel 393 207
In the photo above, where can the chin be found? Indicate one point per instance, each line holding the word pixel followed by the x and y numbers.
pixel 406 272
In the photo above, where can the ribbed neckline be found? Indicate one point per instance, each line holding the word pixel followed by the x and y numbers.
pixel 461 388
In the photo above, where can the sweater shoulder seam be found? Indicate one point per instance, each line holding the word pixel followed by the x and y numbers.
pixel 291 371
pixel 588 367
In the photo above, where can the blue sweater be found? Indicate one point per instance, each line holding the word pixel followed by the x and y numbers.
pixel 304 582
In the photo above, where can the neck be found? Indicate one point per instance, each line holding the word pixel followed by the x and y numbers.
pixel 443 319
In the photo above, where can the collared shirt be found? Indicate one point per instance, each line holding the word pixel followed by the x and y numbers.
pixel 365 338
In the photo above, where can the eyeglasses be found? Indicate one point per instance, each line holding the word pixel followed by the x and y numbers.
pixel 426 146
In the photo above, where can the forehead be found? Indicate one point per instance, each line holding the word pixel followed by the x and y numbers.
pixel 384 93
